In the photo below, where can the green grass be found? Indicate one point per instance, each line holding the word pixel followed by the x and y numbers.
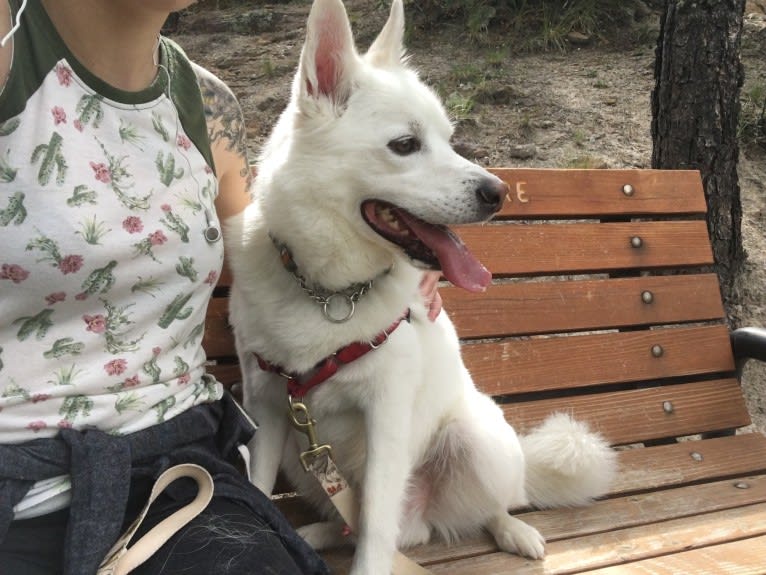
pixel 531 25
pixel 752 115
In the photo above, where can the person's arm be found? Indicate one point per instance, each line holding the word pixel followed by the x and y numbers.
pixel 226 132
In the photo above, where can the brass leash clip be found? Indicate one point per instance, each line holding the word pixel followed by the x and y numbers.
pixel 302 421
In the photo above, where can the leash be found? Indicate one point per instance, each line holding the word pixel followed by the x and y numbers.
pixel 122 559
pixel 318 461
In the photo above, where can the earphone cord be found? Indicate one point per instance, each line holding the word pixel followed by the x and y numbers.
pixel 12 31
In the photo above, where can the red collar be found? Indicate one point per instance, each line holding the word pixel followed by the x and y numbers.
pixel 298 385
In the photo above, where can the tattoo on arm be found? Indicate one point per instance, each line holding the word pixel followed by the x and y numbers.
pixel 225 120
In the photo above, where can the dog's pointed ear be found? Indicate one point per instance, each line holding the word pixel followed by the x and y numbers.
pixel 329 56
pixel 388 48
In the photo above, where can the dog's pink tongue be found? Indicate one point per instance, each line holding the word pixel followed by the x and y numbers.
pixel 458 264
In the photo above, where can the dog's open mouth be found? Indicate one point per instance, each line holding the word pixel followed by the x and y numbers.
pixel 434 246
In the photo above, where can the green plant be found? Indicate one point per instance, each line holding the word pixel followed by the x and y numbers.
pixel 752 115
pixel 268 69
pixel 585 163
pixel 531 24
pixel 467 74
pixel 459 106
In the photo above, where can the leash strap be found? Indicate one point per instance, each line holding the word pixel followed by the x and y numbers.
pixel 122 559
pixel 319 462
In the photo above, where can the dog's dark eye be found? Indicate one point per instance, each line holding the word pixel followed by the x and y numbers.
pixel 404 146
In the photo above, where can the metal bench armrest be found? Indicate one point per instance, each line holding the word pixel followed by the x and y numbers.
pixel 748 343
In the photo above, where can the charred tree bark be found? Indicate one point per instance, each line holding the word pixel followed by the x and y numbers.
pixel 695 112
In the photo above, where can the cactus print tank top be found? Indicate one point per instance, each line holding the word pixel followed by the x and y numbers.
pixel 105 272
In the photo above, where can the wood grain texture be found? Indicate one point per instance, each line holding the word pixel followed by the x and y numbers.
pixel 611 514
pixel 520 249
pixel 549 193
pixel 567 338
pixel 618 547
pixel 744 557
pixel 635 416
pixel 687 462
pixel 554 363
pixel 535 307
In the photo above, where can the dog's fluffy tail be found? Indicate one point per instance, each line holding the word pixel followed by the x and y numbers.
pixel 566 463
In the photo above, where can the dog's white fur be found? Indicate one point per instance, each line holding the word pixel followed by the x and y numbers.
pixel 426 450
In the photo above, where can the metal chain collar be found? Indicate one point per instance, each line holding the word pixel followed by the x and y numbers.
pixel 329 300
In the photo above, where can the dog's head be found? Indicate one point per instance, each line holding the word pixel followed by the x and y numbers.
pixel 365 145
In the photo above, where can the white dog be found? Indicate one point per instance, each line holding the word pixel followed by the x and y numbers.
pixel 354 190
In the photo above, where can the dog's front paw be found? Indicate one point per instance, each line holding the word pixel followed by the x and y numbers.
pixel 515 536
pixel 325 535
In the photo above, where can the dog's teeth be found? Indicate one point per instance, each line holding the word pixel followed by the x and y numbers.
pixel 387 217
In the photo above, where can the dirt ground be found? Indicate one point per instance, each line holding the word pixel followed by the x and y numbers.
pixel 586 107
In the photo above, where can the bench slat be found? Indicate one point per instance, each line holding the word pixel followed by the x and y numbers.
pixel 553 363
pixel 526 308
pixel 617 547
pixel 516 249
pixel 647 468
pixel 606 515
pixel 745 557
pixel 523 366
pixel 640 415
pixel 549 193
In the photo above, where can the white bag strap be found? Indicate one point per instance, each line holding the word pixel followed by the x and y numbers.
pixel 122 559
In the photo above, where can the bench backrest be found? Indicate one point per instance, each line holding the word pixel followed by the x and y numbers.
pixel 620 262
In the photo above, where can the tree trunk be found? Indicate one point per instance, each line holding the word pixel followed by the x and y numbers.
pixel 695 111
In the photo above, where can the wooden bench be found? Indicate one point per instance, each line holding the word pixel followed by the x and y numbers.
pixel 605 305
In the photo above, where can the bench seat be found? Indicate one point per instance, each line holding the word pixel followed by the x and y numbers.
pixel 605 304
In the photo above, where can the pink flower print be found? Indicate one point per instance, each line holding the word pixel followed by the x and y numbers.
pixel 64 74
pixel 133 225
pixel 59 115
pixel 212 277
pixel 70 264
pixel 208 169
pixel 166 208
pixel 184 379
pixel 78 124
pixel 101 171
pixel 156 350
pixel 64 424
pixel 132 381
pixel 183 142
pixel 36 425
pixel 116 367
pixel 82 296
pixel 95 323
pixel 13 272
pixel 38 397
pixel 157 238
pixel 55 297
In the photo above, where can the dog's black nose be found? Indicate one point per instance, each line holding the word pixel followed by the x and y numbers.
pixel 491 193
